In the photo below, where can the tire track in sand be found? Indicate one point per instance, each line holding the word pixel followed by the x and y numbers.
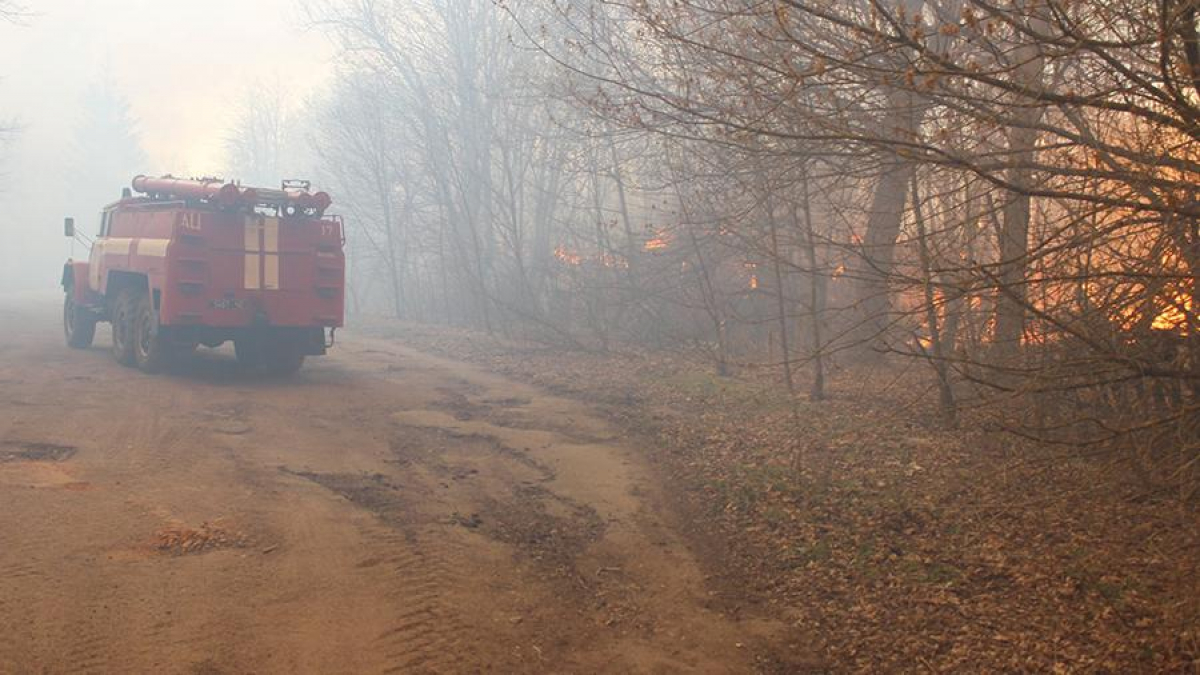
pixel 427 631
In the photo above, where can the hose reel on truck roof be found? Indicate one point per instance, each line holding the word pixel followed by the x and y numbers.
pixel 293 198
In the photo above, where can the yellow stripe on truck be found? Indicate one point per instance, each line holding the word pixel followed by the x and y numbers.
pixel 262 253
pixel 271 271
pixel 117 245
pixel 253 229
pixel 252 277
pixel 156 248
pixel 271 255
pixel 252 281
pixel 100 250
pixel 270 227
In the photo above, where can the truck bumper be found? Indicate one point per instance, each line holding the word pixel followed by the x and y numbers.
pixel 245 309
pixel 308 340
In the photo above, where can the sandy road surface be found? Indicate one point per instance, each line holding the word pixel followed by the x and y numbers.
pixel 386 511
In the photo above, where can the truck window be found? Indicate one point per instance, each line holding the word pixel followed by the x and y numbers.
pixel 104 218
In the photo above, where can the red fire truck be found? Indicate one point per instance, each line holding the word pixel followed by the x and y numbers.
pixel 201 262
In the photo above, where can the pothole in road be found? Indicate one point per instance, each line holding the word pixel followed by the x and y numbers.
pixel 440 448
pixel 550 530
pixel 476 482
pixel 508 412
pixel 509 402
pixel 462 407
pixel 500 492
pixel 20 451
pixel 371 491
pixel 229 421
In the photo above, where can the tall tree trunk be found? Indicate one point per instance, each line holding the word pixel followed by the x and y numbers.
pixel 780 301
pixel 937 357
pixel 1013 296
pixel 1014 246
pixel 873 297
pixel 816 292
pixel 712 306
pixel 901 123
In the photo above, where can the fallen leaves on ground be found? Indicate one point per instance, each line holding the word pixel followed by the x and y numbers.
pixel 892 543
pixel 178 539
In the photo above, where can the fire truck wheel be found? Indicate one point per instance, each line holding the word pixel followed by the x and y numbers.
pixel 150 348
pixel 79 324
pixel 275 359
pixel 284 361
pixel 248 352
pixel 124 312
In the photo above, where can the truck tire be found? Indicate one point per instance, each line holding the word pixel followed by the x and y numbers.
pixel 284 361
pixel 79 324
pixel 249 352
pixel 151 350
pixel 123 312
pixel 278 359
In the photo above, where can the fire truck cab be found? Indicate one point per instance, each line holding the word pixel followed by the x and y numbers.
pixel 203 262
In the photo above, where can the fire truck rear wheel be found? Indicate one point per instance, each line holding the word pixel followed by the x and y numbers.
pixel 276 359
pixel 151 349
pixel 79 325
pixel 284 361
pixel 248 352
pixel 124 312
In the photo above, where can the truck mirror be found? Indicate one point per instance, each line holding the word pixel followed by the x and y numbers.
pixel 69 227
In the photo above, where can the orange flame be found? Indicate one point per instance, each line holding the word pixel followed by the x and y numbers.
pixel 1175 316
pixel 567 256
pixel 658 243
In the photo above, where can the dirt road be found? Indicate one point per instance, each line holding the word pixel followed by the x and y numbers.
pixel 386 511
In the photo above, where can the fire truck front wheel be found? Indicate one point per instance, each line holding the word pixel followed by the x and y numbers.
pixel 151 350
pixel 124 313
pixel 79 324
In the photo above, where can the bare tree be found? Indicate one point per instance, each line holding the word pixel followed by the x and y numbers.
pixel 257 140
pixel 12 11
pixel 106 150
pixel 1004 193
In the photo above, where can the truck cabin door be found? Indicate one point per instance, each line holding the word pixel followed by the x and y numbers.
pixel 96 257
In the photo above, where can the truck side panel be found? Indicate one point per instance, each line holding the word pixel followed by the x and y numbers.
pixel 137 242
pixel 109 253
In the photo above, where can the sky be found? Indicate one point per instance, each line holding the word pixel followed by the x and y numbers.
pixel 183 65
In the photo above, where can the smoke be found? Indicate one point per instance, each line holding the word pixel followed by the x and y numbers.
pixel 95 92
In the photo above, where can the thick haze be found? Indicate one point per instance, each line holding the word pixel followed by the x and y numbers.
pixel 181 66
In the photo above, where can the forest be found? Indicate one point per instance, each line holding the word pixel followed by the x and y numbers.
pixel 1003 194
pixel 897 298
pixel 980 217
